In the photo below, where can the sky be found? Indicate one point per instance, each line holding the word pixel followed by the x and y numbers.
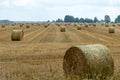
pixel 43 10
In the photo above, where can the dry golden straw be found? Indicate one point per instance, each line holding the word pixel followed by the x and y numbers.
pixel 88 61
pixel 17 35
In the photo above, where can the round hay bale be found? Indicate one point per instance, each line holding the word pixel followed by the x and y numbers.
pixel 13 24
pixel 27 26
pixel 86 25
pixel 89 24
pixel 118 24
pixel 58 24
pixel 75 24
pixel 107 25
pixel 94 25
pixel 102 24
pixel 21 25
pixel 66 24
pixel 88 61
pixel 17 35
pixel 3 26
pixel 62 29
pixel 81 24
pixel 113 25
pixel 111 30
pixel 38 24
pixel 79 27
pixel 46 25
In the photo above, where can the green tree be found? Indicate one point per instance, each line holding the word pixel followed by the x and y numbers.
pixel 59 20
pixel 81 20
pixel 107 19
pixel 117 20
pixel 87 20
pixel 69 18
pixel 95 20
pixel 5 21
pixel 77 20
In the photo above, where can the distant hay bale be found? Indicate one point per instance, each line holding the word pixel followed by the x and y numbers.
pixel 94 25
pixel 46 25
pixel 27 26
pixel 58 24
pixel 62 29
pixel 89 24
pixel 102 24
pixel 33 24
pixel 75 24
pixel 88 61
pixel 13 24
pixel 111 30
pixel 86 25
pixel 81 24
pixel 3 26
pixel 39 25
pixel 17 35
pixel 113 25
pixel 66 24
pixel 79 27
pixel 106 25
pixel 118 24
pixel 21 25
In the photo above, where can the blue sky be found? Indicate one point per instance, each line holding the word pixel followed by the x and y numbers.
pixel 42 10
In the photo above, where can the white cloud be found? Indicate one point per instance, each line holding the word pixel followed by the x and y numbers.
pixel 25 3
pixel 58 2
pixel 113 2
pixel 19 3
pixel 68 2
pixel 5 3
pixel 52 9
pixel 112 11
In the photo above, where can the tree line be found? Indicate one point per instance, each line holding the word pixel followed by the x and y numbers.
pixel 5 21
pixel 70 18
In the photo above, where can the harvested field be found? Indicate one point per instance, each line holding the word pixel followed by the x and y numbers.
pixel 39 55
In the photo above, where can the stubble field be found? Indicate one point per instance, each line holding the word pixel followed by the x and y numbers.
pixel 39 55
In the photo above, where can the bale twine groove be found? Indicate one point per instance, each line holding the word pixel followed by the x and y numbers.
pixel 17 35
pixel 111 30
pixel 88 61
